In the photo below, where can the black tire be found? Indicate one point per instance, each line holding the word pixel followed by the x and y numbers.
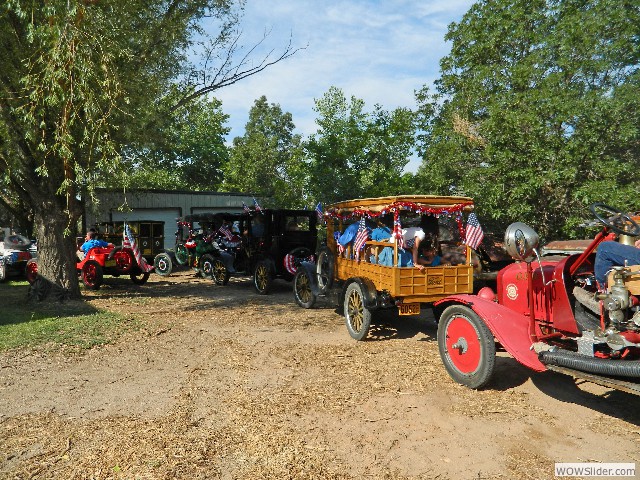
pixel 206 265
pixel 467 347
pixel 163 264
pixel 139 278
pixel 182 254
pixel 357 317
pixel 302 289
pixel 324 270
pixel 92 275
pixel 219 273
pixel 263 277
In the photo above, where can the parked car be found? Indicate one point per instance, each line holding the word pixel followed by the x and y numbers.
pixel 548 313
pixel 15 253
pixel 366 283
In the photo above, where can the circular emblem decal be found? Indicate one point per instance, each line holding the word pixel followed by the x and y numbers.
pixel 512 291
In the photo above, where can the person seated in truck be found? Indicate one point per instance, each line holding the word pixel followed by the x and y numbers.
pixel 612 253
pixel 412 237
pixel 92 241
pixel 428 253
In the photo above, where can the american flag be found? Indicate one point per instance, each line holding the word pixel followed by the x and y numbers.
pixel 474 233
pixel 129 241
pixel 397 231
pixel 319 212
pixel 361 237
pixel 256 205
pixel 224 230
pixel 245 207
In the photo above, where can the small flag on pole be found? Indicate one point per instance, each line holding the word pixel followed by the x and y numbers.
pixel 319 212
pixel 361 238
pixel 224 230
pixel 245 207
pixel 473 233
pixel 256 205
pixel 129 241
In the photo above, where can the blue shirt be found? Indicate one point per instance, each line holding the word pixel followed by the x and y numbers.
pixel 93 243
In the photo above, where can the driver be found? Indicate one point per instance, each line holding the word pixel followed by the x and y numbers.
pixel 612 253
pixel 91 241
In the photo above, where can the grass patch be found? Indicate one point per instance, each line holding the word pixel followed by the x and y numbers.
pixel 73 323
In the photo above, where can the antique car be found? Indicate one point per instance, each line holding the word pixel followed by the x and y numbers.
pixel 148 234
pixel 364 282
pixel 15 253
pixel 549 313
pixel 272 244
pixel 200 244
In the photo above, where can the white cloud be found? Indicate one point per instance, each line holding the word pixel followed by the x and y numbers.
pixel 379 51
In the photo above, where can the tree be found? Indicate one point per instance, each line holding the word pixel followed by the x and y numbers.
pixel 85 83
pixel 267 159
pixel 188 154
pixel 536 111
pixel 355 153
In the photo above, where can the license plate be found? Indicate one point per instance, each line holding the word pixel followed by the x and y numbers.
pixel 409 309
pixel 110 263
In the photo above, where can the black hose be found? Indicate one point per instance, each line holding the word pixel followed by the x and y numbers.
pixel 602 366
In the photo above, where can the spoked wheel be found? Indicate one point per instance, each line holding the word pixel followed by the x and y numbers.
pixel 219 272
pixel 467 347
pixel 92 275
pixel 123 258
pixel 324 270
pixel 302 289
pixel 357 316
pixel 163 264
pixel 206 265
pixel 182 254
pixel 139 278
pixel 31 271
pixel 262 278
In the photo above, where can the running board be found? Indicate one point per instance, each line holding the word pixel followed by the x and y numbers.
pixel 625 386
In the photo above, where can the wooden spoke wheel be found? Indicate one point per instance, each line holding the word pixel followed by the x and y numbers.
pixel 357 315
pixel 302 289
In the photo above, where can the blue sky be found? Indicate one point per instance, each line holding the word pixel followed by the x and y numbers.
pixel 379 51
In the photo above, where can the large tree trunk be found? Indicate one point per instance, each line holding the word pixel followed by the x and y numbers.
pixel 56 253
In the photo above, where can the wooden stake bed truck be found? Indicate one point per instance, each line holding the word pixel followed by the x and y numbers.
pixel 372 277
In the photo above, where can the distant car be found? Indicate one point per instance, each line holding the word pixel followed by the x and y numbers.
pixel 15 253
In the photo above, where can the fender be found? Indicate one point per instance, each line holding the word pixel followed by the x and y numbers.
pixel 510 328
pixel 368 289
pixel 310 269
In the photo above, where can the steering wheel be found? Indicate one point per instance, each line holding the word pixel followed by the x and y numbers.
pixel 612 218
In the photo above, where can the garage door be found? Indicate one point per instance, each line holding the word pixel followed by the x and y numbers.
pixel 166 215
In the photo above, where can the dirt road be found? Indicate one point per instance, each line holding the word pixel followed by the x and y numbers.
pixel 223 383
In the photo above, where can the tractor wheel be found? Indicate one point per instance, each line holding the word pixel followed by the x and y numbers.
pixel 467 346
pixel 123 258
pixel 182 254
pixel 139 278
pixel 163 264
pixel 206 265
pixel 92 275
pixel 302 289
pixel 357 316
pixel 219 272
pixel 31 271
pixel 262 277
pixel 324 269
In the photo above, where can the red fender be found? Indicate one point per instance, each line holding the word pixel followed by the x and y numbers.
pixel 509 327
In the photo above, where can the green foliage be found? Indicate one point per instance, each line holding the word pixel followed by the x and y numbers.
pixel 267 159
pixel 358 154
pixel 536 112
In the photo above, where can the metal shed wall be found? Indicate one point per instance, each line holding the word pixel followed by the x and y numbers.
pixel 162 205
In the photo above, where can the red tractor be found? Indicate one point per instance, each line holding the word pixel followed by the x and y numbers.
pixel 550 314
